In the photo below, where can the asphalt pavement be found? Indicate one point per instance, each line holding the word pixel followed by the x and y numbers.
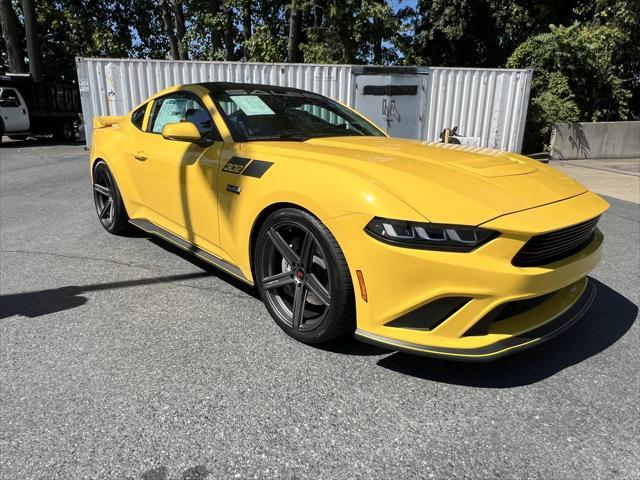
pixel 121 357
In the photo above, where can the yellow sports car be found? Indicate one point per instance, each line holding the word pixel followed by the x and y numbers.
pixel 445 250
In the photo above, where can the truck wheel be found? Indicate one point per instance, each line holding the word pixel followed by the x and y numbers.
pixel 65 132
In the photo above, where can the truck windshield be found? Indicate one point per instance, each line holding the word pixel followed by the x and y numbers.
pixel 292 115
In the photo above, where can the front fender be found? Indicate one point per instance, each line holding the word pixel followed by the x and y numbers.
pixel 327 193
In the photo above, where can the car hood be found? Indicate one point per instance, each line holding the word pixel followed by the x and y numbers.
pixel 446 183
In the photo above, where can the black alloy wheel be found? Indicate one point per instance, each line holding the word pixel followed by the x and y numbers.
pixel 106 196
pixel 303 277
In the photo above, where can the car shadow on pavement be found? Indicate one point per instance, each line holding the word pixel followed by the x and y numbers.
pixel 350 346
pixel 199 472
pixel 210 269
pixel 43 302
pixel 608 319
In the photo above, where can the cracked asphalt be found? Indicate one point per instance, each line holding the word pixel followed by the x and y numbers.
pixel 121 357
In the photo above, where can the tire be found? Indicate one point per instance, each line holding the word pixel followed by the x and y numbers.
pixel 65 132
pixel 299 267
pixel 108 201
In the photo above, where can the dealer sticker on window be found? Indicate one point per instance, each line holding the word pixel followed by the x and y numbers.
pixel 252 105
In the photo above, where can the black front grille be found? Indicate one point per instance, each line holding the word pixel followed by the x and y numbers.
pixel 553 246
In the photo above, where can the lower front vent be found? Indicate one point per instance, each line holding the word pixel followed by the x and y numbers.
pixel 505 311
pixel 430 315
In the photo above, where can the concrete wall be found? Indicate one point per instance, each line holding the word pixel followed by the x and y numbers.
pixel 596 140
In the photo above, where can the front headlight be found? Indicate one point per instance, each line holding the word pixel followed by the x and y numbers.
pixel 431 236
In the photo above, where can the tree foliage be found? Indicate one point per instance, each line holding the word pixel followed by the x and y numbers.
pixel 584 72
pixel 585 53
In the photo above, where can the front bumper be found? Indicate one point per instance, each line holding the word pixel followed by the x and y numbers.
pixel 401 280
pixel 500 348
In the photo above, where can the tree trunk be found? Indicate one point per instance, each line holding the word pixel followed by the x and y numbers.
pixel 377 41
pixel 11 35
pixel 229 44
pixel 246 25
pixel 293 48
pixel 216 37
pixel 183 51
pixel 33 42
pixel 165 8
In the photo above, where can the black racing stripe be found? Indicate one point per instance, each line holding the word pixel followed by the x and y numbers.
pixel 257 168
pixel 236 165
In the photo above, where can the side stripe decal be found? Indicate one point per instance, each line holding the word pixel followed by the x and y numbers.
pixel 247 167
pixel 257 168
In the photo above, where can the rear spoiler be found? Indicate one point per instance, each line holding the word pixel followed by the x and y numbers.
pixel 108 121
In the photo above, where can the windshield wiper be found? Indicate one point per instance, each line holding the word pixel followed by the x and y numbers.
pixel 282 136
pixel 299 137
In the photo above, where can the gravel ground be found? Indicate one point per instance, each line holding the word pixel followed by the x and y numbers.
pixel 121 357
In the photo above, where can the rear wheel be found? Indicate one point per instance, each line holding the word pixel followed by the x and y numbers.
pixel 106 195
pixel 303 277
pixel 65 132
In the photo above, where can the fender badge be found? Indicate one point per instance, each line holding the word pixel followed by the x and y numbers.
pixel 234 189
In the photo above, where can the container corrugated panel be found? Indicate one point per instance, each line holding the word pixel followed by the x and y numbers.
pixel 488 104
pixel 115 86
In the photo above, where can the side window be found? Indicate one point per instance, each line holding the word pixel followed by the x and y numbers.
pixel 182 107
pixel 317 112
pixel 137 116
pixel 9 98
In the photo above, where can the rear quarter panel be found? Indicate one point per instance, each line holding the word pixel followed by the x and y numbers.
pixel 113 144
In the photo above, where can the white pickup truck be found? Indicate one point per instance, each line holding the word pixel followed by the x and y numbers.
pixel 29 108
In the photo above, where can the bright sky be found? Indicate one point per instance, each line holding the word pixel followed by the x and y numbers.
pixel 403 3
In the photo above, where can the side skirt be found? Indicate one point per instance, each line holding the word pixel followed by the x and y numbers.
pixel 153 229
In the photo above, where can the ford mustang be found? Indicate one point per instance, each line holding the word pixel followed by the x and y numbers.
pixel 445 250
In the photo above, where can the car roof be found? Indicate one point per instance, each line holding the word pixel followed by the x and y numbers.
pixel 217 87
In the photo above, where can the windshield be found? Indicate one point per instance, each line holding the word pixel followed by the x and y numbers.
pixel 279 114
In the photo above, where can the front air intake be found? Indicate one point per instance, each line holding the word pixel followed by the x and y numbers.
pixel 429 316
pixel 553 246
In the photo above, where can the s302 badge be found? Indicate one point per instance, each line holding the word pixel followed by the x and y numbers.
pixel 236 165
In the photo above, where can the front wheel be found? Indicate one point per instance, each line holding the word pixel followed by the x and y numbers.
pixel 303 277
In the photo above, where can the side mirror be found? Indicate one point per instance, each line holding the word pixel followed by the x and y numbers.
pixel 184 132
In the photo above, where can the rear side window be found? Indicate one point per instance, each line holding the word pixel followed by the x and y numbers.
pixel 138 116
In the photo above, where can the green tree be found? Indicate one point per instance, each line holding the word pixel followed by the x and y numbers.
pixel 12 35
pixel 349 31
pixel 479 33
pixel 576 78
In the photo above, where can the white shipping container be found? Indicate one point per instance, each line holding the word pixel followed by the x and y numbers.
pixel 489 106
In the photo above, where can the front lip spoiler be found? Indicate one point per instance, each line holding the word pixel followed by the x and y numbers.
pixel 496 350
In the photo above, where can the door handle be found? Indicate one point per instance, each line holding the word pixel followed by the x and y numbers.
pixel 140 156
